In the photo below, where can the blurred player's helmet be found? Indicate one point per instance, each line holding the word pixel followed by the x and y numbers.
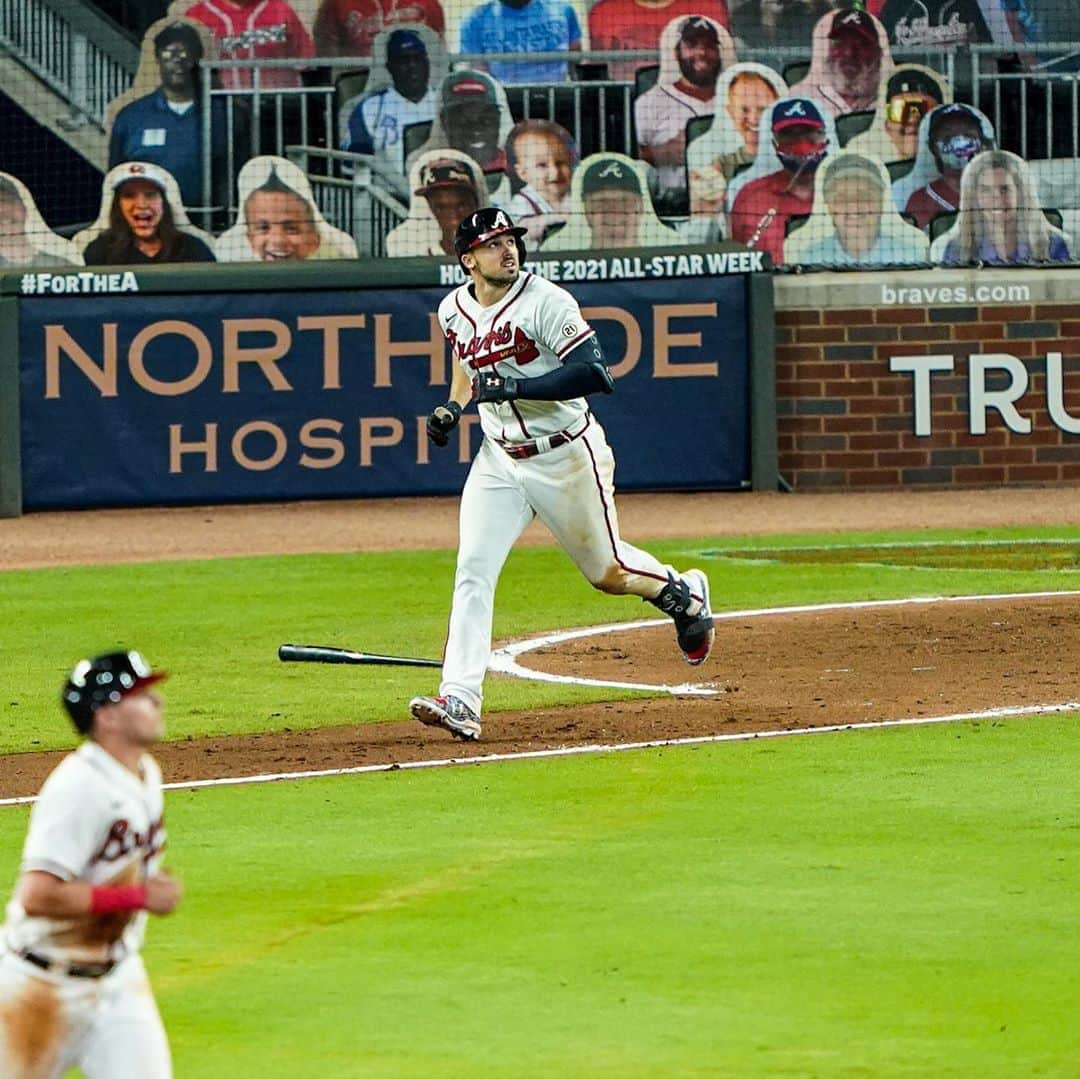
pixel 485 225
pixel 105 679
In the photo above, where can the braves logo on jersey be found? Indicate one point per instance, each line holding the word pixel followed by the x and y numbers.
pixel 123 839
pixel 505 342
pixel 253 37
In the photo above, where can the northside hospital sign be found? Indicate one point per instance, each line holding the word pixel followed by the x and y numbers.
pixel 241 396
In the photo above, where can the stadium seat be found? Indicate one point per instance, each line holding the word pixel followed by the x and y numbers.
pixel 350 84
pixel 414 136
pixel 853 123
pixel 941 224
pixel 795 222
pixel 594 112
pixel 795 71
pixel 897 169
pixel 645 79
pixel 696 126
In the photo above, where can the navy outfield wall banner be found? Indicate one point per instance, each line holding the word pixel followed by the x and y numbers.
pixel 159 399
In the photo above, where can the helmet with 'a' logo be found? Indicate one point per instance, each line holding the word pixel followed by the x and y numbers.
pixel 485 225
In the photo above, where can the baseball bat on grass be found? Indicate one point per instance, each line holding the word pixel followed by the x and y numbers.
pixel 314 653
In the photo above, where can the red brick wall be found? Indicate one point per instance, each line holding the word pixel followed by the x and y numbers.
pixel 846 420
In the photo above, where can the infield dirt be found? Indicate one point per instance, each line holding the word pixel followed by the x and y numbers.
pixel 787 671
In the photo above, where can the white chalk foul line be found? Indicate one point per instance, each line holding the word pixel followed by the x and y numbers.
pixel 520 647
pixel 575 751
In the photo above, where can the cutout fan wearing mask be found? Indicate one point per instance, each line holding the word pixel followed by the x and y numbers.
pixel 760 208
pixel 954 135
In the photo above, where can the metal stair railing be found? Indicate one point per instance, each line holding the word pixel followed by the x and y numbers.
pixel 77 52
pixel 364 203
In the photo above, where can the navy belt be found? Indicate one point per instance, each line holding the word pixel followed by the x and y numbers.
pixel 73 970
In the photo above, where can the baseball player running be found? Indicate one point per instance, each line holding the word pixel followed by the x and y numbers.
pixel 73 988
pixel 526 353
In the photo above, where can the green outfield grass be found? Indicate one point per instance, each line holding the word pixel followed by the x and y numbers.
pixel 876 903
pixel 889 903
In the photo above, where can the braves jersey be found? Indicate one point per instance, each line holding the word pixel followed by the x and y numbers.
pixel 94 821
pixel 661 114
pixel 529 332
pixel 626 24
pixel 926 203
pixel 759 216
pixel 268 30
pixel 377 124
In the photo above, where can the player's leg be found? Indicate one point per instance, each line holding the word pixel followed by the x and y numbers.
pixel 572 489
pixel 32 1027
pixel 127 1039
pixel 493 514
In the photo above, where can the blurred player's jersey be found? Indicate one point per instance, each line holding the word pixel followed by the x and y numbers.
pixel 98 822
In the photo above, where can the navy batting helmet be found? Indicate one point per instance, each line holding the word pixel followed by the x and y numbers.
pixel 105 679
pixel 485 225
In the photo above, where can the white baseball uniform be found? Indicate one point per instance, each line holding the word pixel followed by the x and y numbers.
pixel 538 458
pixel 74 991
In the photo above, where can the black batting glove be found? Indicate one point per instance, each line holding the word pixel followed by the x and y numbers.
pixel 442 421
pixel 490 387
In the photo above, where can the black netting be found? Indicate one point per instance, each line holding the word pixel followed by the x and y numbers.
pixel 832 135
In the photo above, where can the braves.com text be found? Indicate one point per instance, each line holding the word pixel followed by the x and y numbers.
pixel 950 294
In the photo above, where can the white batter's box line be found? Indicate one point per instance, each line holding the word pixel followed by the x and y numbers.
pixel 890 545
pixel 504 659
pixel 618 747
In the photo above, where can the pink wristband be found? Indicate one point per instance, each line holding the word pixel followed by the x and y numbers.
pixel 117 898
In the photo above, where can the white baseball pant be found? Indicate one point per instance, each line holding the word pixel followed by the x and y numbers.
pixel 108 1027
pixel 571 489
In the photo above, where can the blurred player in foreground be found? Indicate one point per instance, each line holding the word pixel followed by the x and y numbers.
pixel 73 988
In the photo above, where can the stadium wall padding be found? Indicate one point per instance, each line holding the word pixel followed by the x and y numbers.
pixel 185 385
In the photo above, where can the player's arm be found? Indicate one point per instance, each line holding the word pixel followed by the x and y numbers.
pixel 584 371
pixel 444 418
pixel 44 895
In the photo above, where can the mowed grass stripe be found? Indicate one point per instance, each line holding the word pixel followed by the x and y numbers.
pixel 887 904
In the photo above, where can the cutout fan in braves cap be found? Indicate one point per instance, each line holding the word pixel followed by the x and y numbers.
pixel 444 172
pixel 105 679
pixel 697 26
pixel 799 110
pixel 610 173
pixel 854 23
